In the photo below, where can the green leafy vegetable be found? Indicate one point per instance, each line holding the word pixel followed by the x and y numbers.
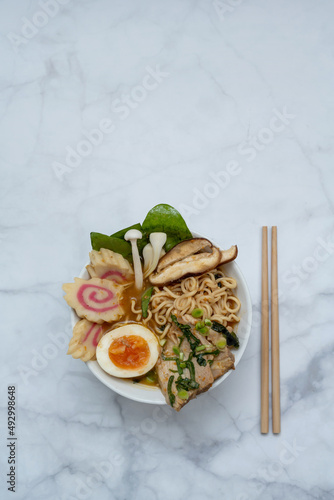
pixel 166 219
pixel 179 367
pixel 145 300
pixel 186 384
pixel 200 360
pixel 195 344
pixel 186 330
pixel 191 368
pixel 181 340
pixel 212 353
pixel 169 390
pixel 162 218
pixel 115 244
pixel 231 337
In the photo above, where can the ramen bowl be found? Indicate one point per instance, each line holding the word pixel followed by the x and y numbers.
pixel 152 394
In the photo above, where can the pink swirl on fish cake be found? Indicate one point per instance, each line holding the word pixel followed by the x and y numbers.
pixel 90 299
pixel 118 276
pixel 95 340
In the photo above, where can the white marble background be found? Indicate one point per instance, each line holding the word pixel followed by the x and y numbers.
pixel 223 72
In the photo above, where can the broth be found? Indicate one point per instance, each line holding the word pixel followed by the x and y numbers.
pixel 129 293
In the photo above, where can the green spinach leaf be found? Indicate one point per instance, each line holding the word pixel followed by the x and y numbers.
pixel 115 244
pixel 186 384
pixel 169 390
pixel 186 330
pixel 166 219
pixel 231 337
pixel 162 218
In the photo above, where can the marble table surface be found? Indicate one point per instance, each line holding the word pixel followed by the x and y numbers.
pixel 225 110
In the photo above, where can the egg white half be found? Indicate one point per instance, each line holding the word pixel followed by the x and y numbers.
pixel 102 351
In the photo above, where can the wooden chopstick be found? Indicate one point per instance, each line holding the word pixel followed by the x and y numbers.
pixel 264 335
pixel 275 375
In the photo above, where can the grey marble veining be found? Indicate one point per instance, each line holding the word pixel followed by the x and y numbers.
pixel 226 111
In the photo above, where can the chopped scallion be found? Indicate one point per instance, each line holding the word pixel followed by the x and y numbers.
pixel 179 369
pixel 181 340
pixel 151 377
pixel 168 358
pixel 197 313
pixel 176 350
pixel 207 322
pixel 221 344
pixel 200 348
pixel 204 330
pixel 183 394
pixel 199 325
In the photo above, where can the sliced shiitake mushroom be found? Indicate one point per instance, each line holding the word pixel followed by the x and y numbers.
pixel 189 258
pixel 183 250
pixel 191 265
pixel 228 255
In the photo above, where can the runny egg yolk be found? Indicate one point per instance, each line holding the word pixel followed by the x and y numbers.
pixel 129 352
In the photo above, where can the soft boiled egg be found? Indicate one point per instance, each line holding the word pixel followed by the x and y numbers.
pixel 128 351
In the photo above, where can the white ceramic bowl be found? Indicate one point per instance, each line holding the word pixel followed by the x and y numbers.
pixel 153 395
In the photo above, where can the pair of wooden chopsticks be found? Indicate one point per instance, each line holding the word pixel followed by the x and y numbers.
pixel 275 376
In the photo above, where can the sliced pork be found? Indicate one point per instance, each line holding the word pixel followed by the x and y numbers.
pixel 167 368
pixel 222 363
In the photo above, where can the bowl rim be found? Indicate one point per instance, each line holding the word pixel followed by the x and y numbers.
pixel 124 391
